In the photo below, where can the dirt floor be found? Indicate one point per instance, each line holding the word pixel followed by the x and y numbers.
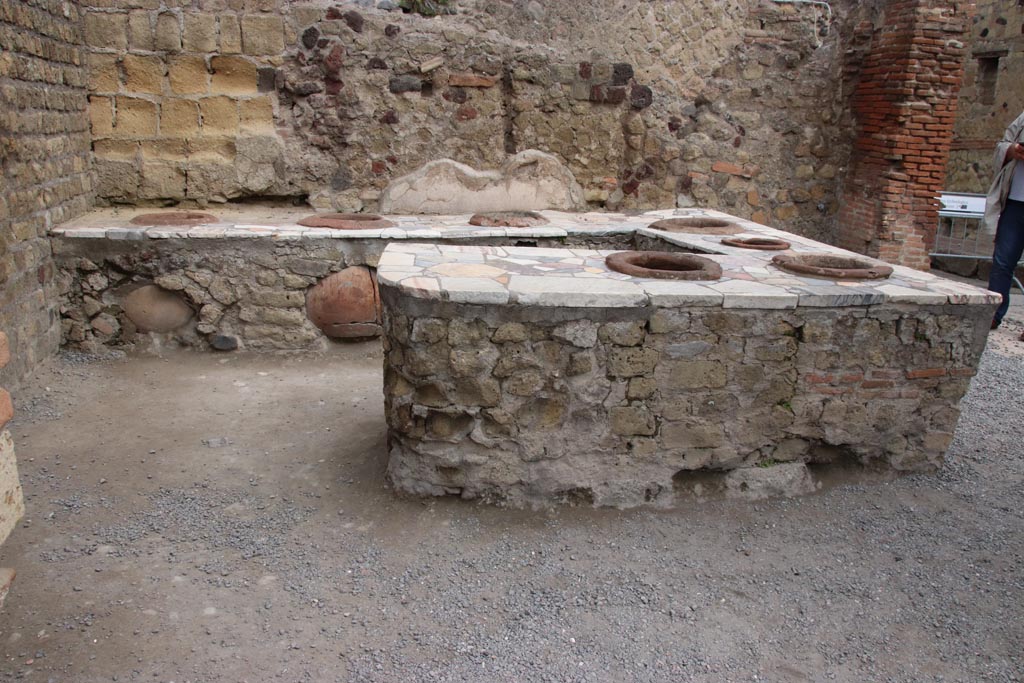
pixel 201 517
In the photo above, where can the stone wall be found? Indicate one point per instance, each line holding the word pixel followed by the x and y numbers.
pixel 182 102
pixel 44 165
pixel 992 95
pixel 735 105
pixel 252 291
pixel 533 404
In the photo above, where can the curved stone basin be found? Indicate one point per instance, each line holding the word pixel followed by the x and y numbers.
pixel 346 221
pixel 664 265
pixel 173 218
pixel 697 224
pixel 832 267
pixel 508 219
pixel 759 243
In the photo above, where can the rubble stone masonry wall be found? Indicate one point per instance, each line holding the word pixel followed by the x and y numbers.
pixel 735 105
pixel 44 166
pixel 253 290
pixel 533 405
pixel 992 94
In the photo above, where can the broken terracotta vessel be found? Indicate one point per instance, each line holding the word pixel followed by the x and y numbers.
pixel 154 309
pixel 508 219
pixel 664 265
pixel 832 267
pixel 346 304
pixel 346 221
pixel 759 243
pixel 174 218
pixel 698 225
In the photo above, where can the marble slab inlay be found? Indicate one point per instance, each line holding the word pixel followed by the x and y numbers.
pixel 419 259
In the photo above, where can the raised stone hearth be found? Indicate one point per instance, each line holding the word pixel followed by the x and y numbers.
pixel 529 180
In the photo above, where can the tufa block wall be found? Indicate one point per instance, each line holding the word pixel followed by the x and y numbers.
pixel 181 102
pixel 44 166
pixel 905 104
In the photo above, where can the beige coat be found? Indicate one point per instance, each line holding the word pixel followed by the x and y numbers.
pixel 1003 171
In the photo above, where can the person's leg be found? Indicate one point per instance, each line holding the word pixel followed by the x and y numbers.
pixel 1009 244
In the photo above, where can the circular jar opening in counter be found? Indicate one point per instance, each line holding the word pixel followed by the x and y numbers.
pixel 346 221
pixel 508 219
pixel 664 265
pixel 759 243
pixel 832 267
pixel 697 225
pixel 173 218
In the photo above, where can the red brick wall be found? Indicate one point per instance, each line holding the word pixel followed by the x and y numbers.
pixel 905 106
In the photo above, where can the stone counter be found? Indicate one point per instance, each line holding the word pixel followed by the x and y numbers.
pixel 246 277
pixel 535 376
pixel 520 369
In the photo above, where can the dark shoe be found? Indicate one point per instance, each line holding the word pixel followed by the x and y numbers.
pixel 1022 336
pixel 995 324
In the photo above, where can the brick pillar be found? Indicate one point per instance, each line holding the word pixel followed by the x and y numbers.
pixel 905 107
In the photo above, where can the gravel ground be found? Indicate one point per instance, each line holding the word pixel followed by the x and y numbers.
pixel 223 518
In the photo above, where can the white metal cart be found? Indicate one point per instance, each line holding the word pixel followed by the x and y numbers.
pixel 959 234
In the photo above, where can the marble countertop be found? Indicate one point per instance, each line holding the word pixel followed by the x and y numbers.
pixel 579 277
pixel 557 277
pixel 280 223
